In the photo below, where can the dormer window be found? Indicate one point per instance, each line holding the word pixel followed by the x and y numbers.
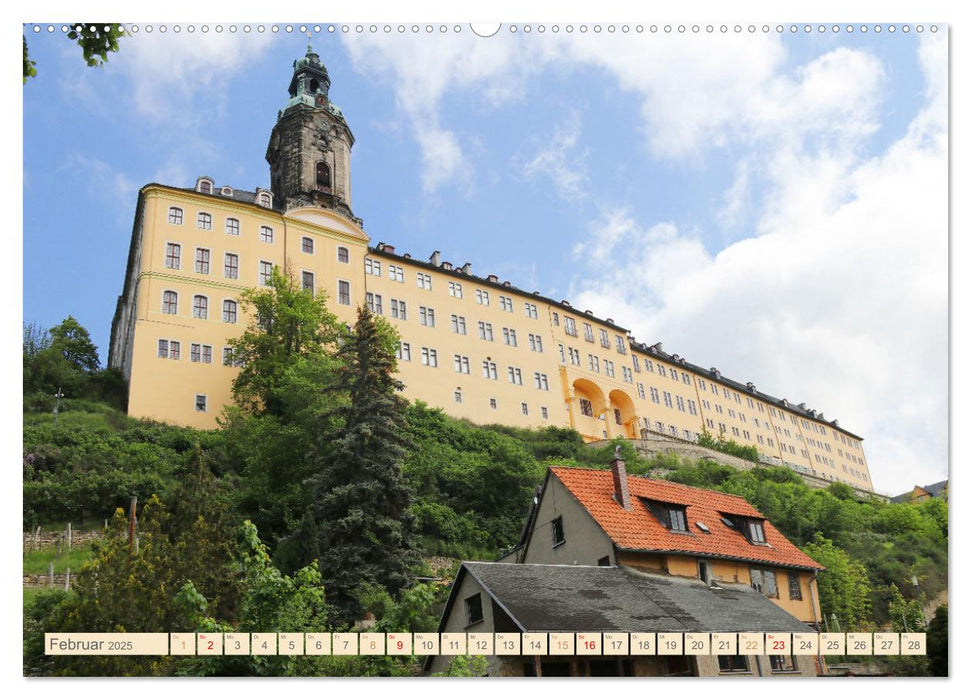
pixel 670 515
pixel 265 200
pixel 226 191
pixel 755 532
pixel 752 528
pixel 204 185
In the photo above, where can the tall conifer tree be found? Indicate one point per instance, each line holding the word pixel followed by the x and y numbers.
pixel 362 504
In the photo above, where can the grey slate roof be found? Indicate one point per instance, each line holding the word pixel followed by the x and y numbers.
pixel 550 598
pixel 936 490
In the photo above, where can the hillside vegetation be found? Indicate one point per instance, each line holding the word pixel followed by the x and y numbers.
pixel 322 493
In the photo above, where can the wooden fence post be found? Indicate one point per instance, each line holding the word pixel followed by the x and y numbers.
pixel 67 579
pixel 50 575
pixel 69 535
pixel 37 538
pixel 132 520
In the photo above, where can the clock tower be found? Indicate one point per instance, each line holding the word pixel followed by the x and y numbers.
pixel 310 146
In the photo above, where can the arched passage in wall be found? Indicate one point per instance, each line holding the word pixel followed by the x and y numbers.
pixel 589 404
pixel 621 412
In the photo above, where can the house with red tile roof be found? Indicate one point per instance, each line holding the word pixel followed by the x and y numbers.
pixel 610 518
pixel 604 553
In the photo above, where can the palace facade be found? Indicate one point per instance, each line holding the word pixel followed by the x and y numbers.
pixel 476 346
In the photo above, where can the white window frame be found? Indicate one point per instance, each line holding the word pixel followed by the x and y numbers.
pixel 262 277
pixel 226 266
pixel 174 305
pixel 200 311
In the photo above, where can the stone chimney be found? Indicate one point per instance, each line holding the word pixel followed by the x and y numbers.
pixel 436 259
pixel 621 492
pixel 467 268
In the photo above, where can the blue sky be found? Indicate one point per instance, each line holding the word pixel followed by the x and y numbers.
pixel 771 204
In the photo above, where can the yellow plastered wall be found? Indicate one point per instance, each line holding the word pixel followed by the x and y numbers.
pixel 733 572
pixel 459 383
pixel 574 388
pixel 167 389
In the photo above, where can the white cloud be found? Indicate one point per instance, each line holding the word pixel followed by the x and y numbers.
pixel 557 161
pixel 841 292
pixel 170 72
pixel 736 199
pixel 104 183
pixel 841 300
pixel 423 71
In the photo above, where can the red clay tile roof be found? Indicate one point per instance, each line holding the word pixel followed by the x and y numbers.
pixel 638 529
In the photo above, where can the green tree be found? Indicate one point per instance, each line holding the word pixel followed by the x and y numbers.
pixel 287 396
pixel 96 40
pixel 61 358
pixel 905 615
pixel 71 340
pixel 361 501
pixel 288 325
pixel 937 642
pixel 844 589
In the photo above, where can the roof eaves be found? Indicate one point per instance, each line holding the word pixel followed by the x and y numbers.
pixel 723 557
pixel 494 597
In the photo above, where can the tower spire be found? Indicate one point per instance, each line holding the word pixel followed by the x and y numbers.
pixel 310 146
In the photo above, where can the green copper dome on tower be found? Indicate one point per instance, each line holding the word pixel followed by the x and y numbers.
pixel 310 85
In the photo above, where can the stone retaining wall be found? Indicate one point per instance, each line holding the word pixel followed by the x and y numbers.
pixel 658 444
pixel 50 538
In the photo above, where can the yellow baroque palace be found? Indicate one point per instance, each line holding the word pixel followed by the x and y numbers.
pixel 478 347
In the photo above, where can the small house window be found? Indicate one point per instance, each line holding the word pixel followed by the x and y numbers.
pixel 763 580
pixel 558 536
pixel 782 663
pixel 756 534
pixel 175 216
pixel 201 402
pixel 732 664
pixel 205 186
pixel 204 221
pixel 473 608
pixel 676 519
pixel 307 245
pixel 673 517
pixel 342 255
pixel 795 590
pixel 265 200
